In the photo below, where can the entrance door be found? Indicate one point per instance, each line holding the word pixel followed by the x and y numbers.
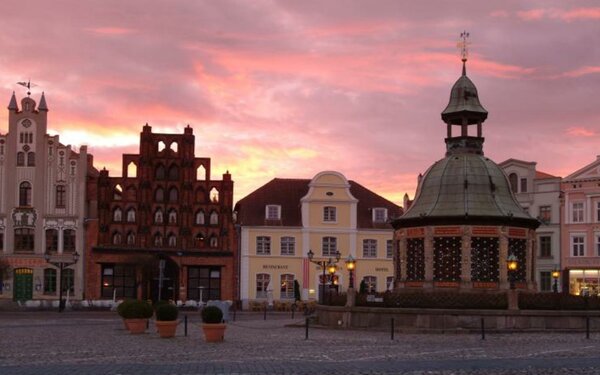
pixel 170 282
pixel 23 284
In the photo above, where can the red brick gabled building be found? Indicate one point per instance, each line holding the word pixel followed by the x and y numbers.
pixel 164 212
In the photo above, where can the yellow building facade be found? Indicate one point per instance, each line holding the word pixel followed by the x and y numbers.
pixel 286 218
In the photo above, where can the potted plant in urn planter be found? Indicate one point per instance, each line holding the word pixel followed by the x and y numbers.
pixel 213 326
pixel 136 314
pixel 166 320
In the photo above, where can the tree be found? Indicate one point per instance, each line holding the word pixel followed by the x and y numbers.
pixel 363 287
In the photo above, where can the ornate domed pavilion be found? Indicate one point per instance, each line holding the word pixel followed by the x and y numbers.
pixel 464 222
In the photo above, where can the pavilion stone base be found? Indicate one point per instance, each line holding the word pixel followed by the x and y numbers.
pixel 447 320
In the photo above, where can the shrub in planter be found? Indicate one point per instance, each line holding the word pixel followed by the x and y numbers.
pixel 136 314
pixel 166 320
pixel 213 327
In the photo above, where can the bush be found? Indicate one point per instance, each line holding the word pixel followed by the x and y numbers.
pixel 135 309
pixel 157 304
pixel 437 300
pixel 557 301
pixel 166 312
pixel 212 315
pixel 123 306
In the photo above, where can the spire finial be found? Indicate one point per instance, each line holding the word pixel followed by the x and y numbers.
pixel 463 44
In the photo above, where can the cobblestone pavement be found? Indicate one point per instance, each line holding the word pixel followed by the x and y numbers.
pixel 97 343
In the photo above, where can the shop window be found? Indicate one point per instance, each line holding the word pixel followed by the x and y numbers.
pixel 329 214
pixel 49 281
pixel 24 239
pixel 118 279
pixel 25 194
pixel 263 245
pixel 262 283
pixel 329 246
pixel 204 283
pixel 287 286
pixel 61 196
pixel 69 243
pixel 288 245
pixel 369 248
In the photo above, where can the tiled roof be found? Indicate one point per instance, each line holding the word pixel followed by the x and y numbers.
pixel 288 192
pixel 542 176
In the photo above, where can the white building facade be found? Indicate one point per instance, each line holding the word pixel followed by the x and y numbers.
pixel 42 207
pixel 539 193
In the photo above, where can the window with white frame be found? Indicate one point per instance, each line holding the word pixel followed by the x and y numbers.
pixel 577 212
pixel 578 245
pixel 597 244
pixel 263 245
pixel 369 248
pixel 329 246
pixel 288 245
pixel 273 212
pixel 329 214
pixel 389 249
pixel 545 281
pixel 262 282
pixel 379 215
pixel 545 246
pixel 287 286
pixel 545 214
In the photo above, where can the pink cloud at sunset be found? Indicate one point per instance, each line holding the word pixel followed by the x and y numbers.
pixel 290 88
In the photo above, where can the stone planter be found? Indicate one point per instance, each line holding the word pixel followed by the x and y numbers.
pixel 166 328
pixel 214 332
pixel 136 326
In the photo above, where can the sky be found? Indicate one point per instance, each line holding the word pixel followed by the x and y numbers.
pixel 291 88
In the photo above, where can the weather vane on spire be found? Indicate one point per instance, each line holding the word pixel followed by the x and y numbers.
pixel 464 45
pixel 27 84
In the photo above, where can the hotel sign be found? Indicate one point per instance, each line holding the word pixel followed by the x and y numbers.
pixel 275 267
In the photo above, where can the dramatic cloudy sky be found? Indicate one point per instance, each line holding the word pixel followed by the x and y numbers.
pixel 291 88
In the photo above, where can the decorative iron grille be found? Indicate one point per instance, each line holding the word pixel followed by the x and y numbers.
pixel 415 259
pixel 518 247
pixel 446 258
pixel 485 257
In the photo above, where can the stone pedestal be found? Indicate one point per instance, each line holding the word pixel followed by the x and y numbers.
pixel 350 298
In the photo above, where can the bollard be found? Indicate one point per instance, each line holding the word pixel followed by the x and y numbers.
pixel 482 329
pixel 185 325
pixel 293 310
pixel 265 317
pixel 147 323
pixel 392 333
pixel 234 312
pixel 587 327
pixel 306 332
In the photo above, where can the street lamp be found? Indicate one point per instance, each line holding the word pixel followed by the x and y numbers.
pixel 512 264
pixel 350 266
pixel 555 276
pixel 324 264
pixel 331 268
pixel 61 263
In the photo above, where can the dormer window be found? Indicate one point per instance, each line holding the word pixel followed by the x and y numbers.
pixel 273 212
pixel 379 215
pixel 329 214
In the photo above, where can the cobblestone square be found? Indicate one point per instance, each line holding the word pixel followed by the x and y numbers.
pixel 97 343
